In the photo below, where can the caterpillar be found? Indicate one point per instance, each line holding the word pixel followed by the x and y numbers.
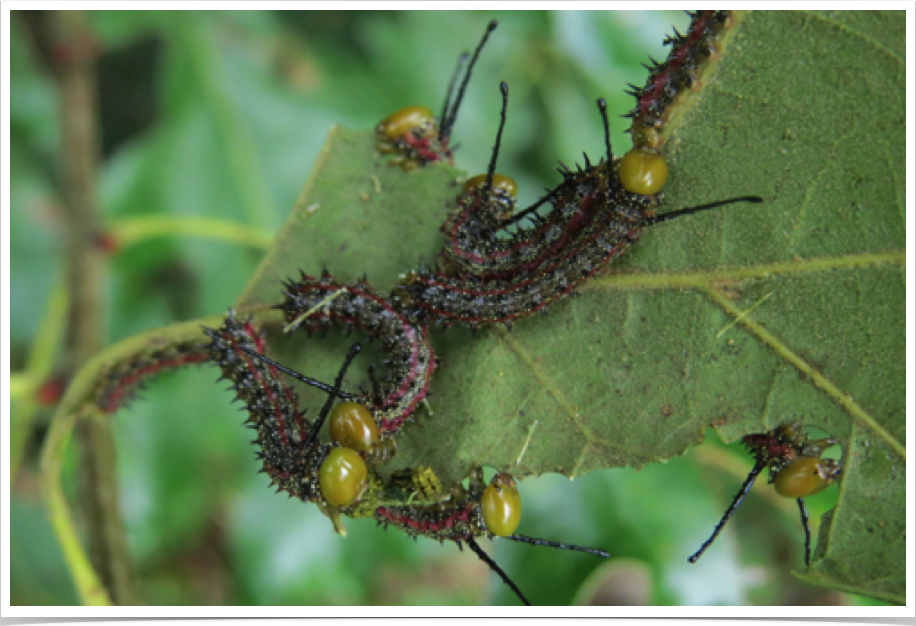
pixel 411 360
pixel 486 206
pixel 496 271
pixel 796 471
pixel 413 135
pixel 468 514
pixel 281 429
pixel 488 200
pixel 678 72
pixel 120 381
pixel 331 475
pixel 607 218
pixel 594 215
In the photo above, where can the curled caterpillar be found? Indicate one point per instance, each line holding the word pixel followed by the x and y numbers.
pixel 593 218
pixel 333 476
pixel 486 206
pixel 413 136
pixel 484 210
pixel 315 302
pixel 796 471
pixel 282 430
pixel 495 271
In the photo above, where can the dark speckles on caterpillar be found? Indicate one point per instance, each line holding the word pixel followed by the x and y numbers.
pixel 333 476
pixel 592 218
pixel 446 299
pixel 337 479
pixel 273 410
pixel 497 271
pixel 411 360
pixel 486 207
pixel 478 511
pixel 457 518
pixel 121 380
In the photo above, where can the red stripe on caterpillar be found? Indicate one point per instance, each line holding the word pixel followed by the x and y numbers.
pixel 331 475
pixel 411 360
pixel 273 409
pixel 486 206
pixel 679 71
pixel 336 477
pixel 595 214
pixel 121 380
pixel 608 219
pixel 473 245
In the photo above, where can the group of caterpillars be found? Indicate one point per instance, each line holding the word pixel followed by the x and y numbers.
pixel 498 265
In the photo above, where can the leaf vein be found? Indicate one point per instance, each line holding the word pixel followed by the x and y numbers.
pixel 820 381
pixel 550 386
pixel 812 188
pixel 702 279
pixel 873 42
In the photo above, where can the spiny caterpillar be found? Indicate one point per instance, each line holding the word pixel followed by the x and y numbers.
pixel 594 215
pixel 120 381
pixel 796 471
pixel 467 514
pixel 487 203
pixel 486 207
pixel 287 441
pixel 680 71
pixel 314 302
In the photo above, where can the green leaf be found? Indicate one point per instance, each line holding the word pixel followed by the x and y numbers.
pixel 743 318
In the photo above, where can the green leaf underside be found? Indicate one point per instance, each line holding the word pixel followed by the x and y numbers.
pixel 743 318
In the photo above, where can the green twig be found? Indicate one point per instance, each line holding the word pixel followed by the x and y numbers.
pixel 131 231
pixel 22 385
pixel 39 367
pixel 90 589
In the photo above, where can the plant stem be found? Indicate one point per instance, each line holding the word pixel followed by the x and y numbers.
pixel 74 63
pixel 23 387
pixel 133 230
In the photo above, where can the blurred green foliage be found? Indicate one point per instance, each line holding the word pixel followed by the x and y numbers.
pixel 222 115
